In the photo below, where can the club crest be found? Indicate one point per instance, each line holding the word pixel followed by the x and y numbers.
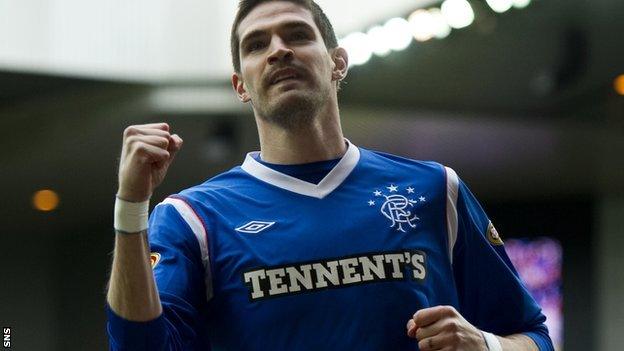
pixel 398 207
pixel 154 259
pixel 493 236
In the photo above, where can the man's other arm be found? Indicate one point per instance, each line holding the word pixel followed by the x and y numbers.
pixel 444 327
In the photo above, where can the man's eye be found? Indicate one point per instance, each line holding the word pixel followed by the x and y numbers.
pixel 255 46
pixel 299 36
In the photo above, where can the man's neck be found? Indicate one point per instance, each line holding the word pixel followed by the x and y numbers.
pixel 319 141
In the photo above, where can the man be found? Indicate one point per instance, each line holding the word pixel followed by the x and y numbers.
pixel 312 244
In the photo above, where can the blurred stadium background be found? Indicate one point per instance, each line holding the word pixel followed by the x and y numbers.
pixel 523 98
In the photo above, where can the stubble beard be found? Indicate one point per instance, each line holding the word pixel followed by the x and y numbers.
pixel 292 112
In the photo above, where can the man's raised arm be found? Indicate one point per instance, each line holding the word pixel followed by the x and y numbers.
pixel 147 152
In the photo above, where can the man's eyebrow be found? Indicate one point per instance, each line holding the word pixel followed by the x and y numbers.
pixel 288 25
pixel 298 24
pixel 254 34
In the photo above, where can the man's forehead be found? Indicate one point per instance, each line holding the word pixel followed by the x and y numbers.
pixel 273 12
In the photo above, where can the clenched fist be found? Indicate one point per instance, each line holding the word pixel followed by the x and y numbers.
pixel 443 328
pixel 146 154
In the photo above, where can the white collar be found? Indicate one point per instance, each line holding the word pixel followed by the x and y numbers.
pixel 332 180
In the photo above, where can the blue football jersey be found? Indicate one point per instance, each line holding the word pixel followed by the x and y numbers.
pixel 255 259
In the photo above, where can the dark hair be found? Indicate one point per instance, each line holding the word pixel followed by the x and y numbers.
pixel 320 19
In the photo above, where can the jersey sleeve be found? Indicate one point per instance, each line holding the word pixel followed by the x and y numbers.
pixel 180 265
pixel 491 294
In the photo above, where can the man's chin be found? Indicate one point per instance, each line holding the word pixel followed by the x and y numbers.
pixel 289 88
pixel 292 108
pixel 295 97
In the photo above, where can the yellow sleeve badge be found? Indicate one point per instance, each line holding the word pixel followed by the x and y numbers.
pixel 493 236
pixel 154 259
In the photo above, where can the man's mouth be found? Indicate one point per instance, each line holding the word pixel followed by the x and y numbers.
pixel 281 79
pixel 286 74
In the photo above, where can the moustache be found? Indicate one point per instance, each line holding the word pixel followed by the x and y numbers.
pixel 300 71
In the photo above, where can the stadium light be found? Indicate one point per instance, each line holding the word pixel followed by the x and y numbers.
pixel 398 33
pixel 457 13
pixel 421 24
pixel 618 84
pixel 440 28
pixel 379 41
pixel 520 4
pixel 426 24
pixel 500 6
pixel 358 47
pixel 45 200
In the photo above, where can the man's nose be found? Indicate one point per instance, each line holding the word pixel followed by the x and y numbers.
pixel 279 52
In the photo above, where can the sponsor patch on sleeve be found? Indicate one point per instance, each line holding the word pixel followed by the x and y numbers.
pixel 154 259
pixel 493 236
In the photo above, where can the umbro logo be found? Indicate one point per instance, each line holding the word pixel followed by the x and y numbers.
pixel 254 227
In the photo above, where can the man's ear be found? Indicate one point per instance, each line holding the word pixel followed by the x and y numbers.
pixel 239 88
pixel 341 63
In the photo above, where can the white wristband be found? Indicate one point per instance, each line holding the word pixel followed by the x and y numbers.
pixel 130 217
pixel 491 341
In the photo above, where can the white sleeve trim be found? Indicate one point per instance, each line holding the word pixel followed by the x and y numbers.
pixel 452 190
pixel 195 223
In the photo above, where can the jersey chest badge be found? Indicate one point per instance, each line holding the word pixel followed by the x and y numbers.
pixel 397 205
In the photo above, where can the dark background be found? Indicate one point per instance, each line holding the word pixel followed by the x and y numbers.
pixel 521 104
